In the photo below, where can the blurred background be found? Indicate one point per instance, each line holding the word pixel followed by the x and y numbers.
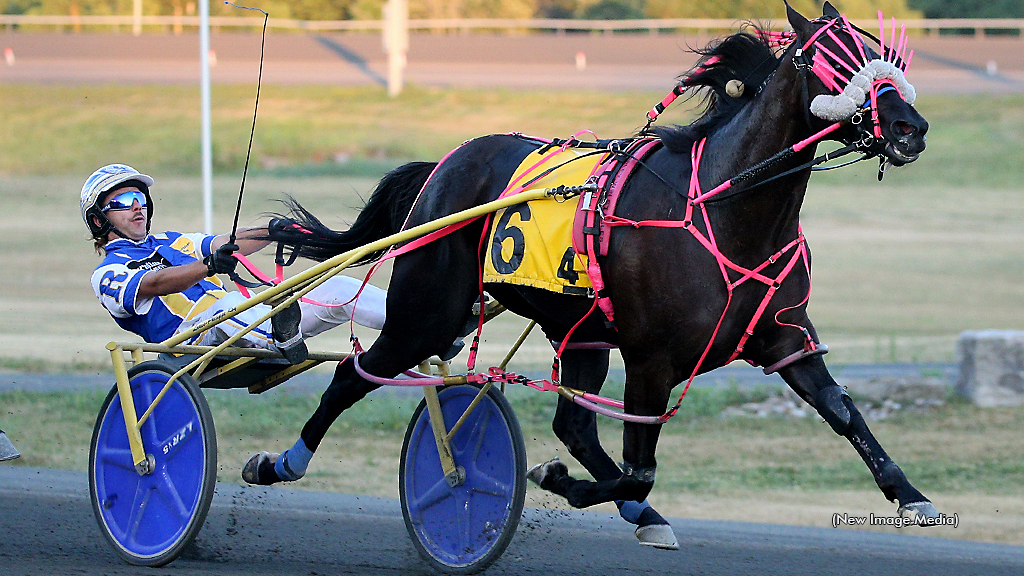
pixel 902 267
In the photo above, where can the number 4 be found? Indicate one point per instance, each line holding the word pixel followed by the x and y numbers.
pixel 566 269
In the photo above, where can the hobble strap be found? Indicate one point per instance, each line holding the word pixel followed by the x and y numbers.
pixel 645 475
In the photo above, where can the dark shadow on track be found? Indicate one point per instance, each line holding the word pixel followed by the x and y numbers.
pixel 351 57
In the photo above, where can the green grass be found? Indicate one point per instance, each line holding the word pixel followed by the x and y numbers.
pixel 974 140
pixel 157 127
pixel 954 448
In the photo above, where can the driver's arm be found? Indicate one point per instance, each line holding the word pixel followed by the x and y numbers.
pixel 171 280
pixel 180 278
pixel 245 239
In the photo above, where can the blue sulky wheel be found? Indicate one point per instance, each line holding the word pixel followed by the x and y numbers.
pixel 463 529
pixel 150 519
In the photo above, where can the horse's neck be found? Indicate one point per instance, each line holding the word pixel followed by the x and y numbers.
pixel 773 122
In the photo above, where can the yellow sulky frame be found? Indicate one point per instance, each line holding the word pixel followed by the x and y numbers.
pixel 279 297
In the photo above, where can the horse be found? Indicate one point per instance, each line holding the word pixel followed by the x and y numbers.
pixel 667 287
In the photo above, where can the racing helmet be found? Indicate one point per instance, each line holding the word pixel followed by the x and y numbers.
pixel 111 177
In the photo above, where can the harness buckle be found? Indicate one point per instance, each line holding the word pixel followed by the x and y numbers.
pixel 587 197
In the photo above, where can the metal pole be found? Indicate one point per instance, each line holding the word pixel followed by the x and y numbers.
pixel 396 42
pixel 206 145
pixel 137 17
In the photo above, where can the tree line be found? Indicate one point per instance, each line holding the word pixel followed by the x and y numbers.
pixel 586 9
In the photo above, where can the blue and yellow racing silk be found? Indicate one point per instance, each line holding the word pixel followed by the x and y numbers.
pixel 116 283
pixel 531 243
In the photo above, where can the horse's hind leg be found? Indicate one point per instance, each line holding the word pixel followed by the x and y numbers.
pixel 810 379
pixel 424 315
pixel 576 427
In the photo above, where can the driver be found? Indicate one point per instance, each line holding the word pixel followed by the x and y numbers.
pixel 157 285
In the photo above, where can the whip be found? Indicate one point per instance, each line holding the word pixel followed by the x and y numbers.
pixel 252 132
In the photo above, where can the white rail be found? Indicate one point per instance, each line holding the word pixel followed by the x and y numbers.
pixel 977 25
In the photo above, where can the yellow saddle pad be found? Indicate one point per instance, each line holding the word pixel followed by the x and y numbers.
pixel 530 244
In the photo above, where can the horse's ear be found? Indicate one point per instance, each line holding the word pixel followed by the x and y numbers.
pixel 829 11
pixel 800 24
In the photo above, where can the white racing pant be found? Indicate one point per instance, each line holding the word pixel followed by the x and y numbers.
pixel 329 304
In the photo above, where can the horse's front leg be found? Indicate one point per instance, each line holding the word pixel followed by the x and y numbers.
pixel 576 427
pixel 811 380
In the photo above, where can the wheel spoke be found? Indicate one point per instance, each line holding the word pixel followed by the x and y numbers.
pixel 438 492
pixel 139 505
pixel 148 430
pixel 120 457
pixel 169 492
pixel 474 437
pixel 464 521
pixel 486 484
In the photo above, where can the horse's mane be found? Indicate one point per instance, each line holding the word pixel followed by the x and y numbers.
pixel 746 56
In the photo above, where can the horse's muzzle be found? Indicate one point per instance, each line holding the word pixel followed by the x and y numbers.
pixel 905 140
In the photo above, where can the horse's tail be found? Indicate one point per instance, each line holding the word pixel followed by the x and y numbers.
pixel 383 215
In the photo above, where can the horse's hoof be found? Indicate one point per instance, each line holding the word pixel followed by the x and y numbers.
pixel 259 469
pixel 7 450
pixel 541 472
pixel 919 510
pixel 658 536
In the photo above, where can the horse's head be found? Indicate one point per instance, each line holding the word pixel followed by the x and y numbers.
pixel 848 80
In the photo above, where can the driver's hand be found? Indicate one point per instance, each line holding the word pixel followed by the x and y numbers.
pixel 222 261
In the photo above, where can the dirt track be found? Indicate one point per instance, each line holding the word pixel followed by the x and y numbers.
pixel 49 529
pixel 615 62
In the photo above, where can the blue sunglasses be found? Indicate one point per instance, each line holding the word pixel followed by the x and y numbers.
pixel 125 201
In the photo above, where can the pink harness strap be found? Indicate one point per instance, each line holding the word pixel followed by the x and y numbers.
pixel 796 248
pixel 591 230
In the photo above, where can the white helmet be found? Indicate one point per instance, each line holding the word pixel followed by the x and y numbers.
pixel 104 180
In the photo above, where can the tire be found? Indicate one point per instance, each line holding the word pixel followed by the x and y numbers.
pixel 149 520
pixel 462 530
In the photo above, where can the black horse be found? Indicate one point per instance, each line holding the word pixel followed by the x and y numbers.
pixel 667 288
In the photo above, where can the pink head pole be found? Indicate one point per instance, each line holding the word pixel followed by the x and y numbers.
pixel 856 40
pixel 892 42
pixel 881 34
pixel 904 40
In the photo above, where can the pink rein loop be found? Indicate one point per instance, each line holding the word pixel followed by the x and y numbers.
pixel 415 378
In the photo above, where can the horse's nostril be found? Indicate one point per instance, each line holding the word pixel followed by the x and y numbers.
pixel 901 128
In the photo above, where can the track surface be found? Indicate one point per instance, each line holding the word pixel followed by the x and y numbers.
pixel 613 62
pixel 48 528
